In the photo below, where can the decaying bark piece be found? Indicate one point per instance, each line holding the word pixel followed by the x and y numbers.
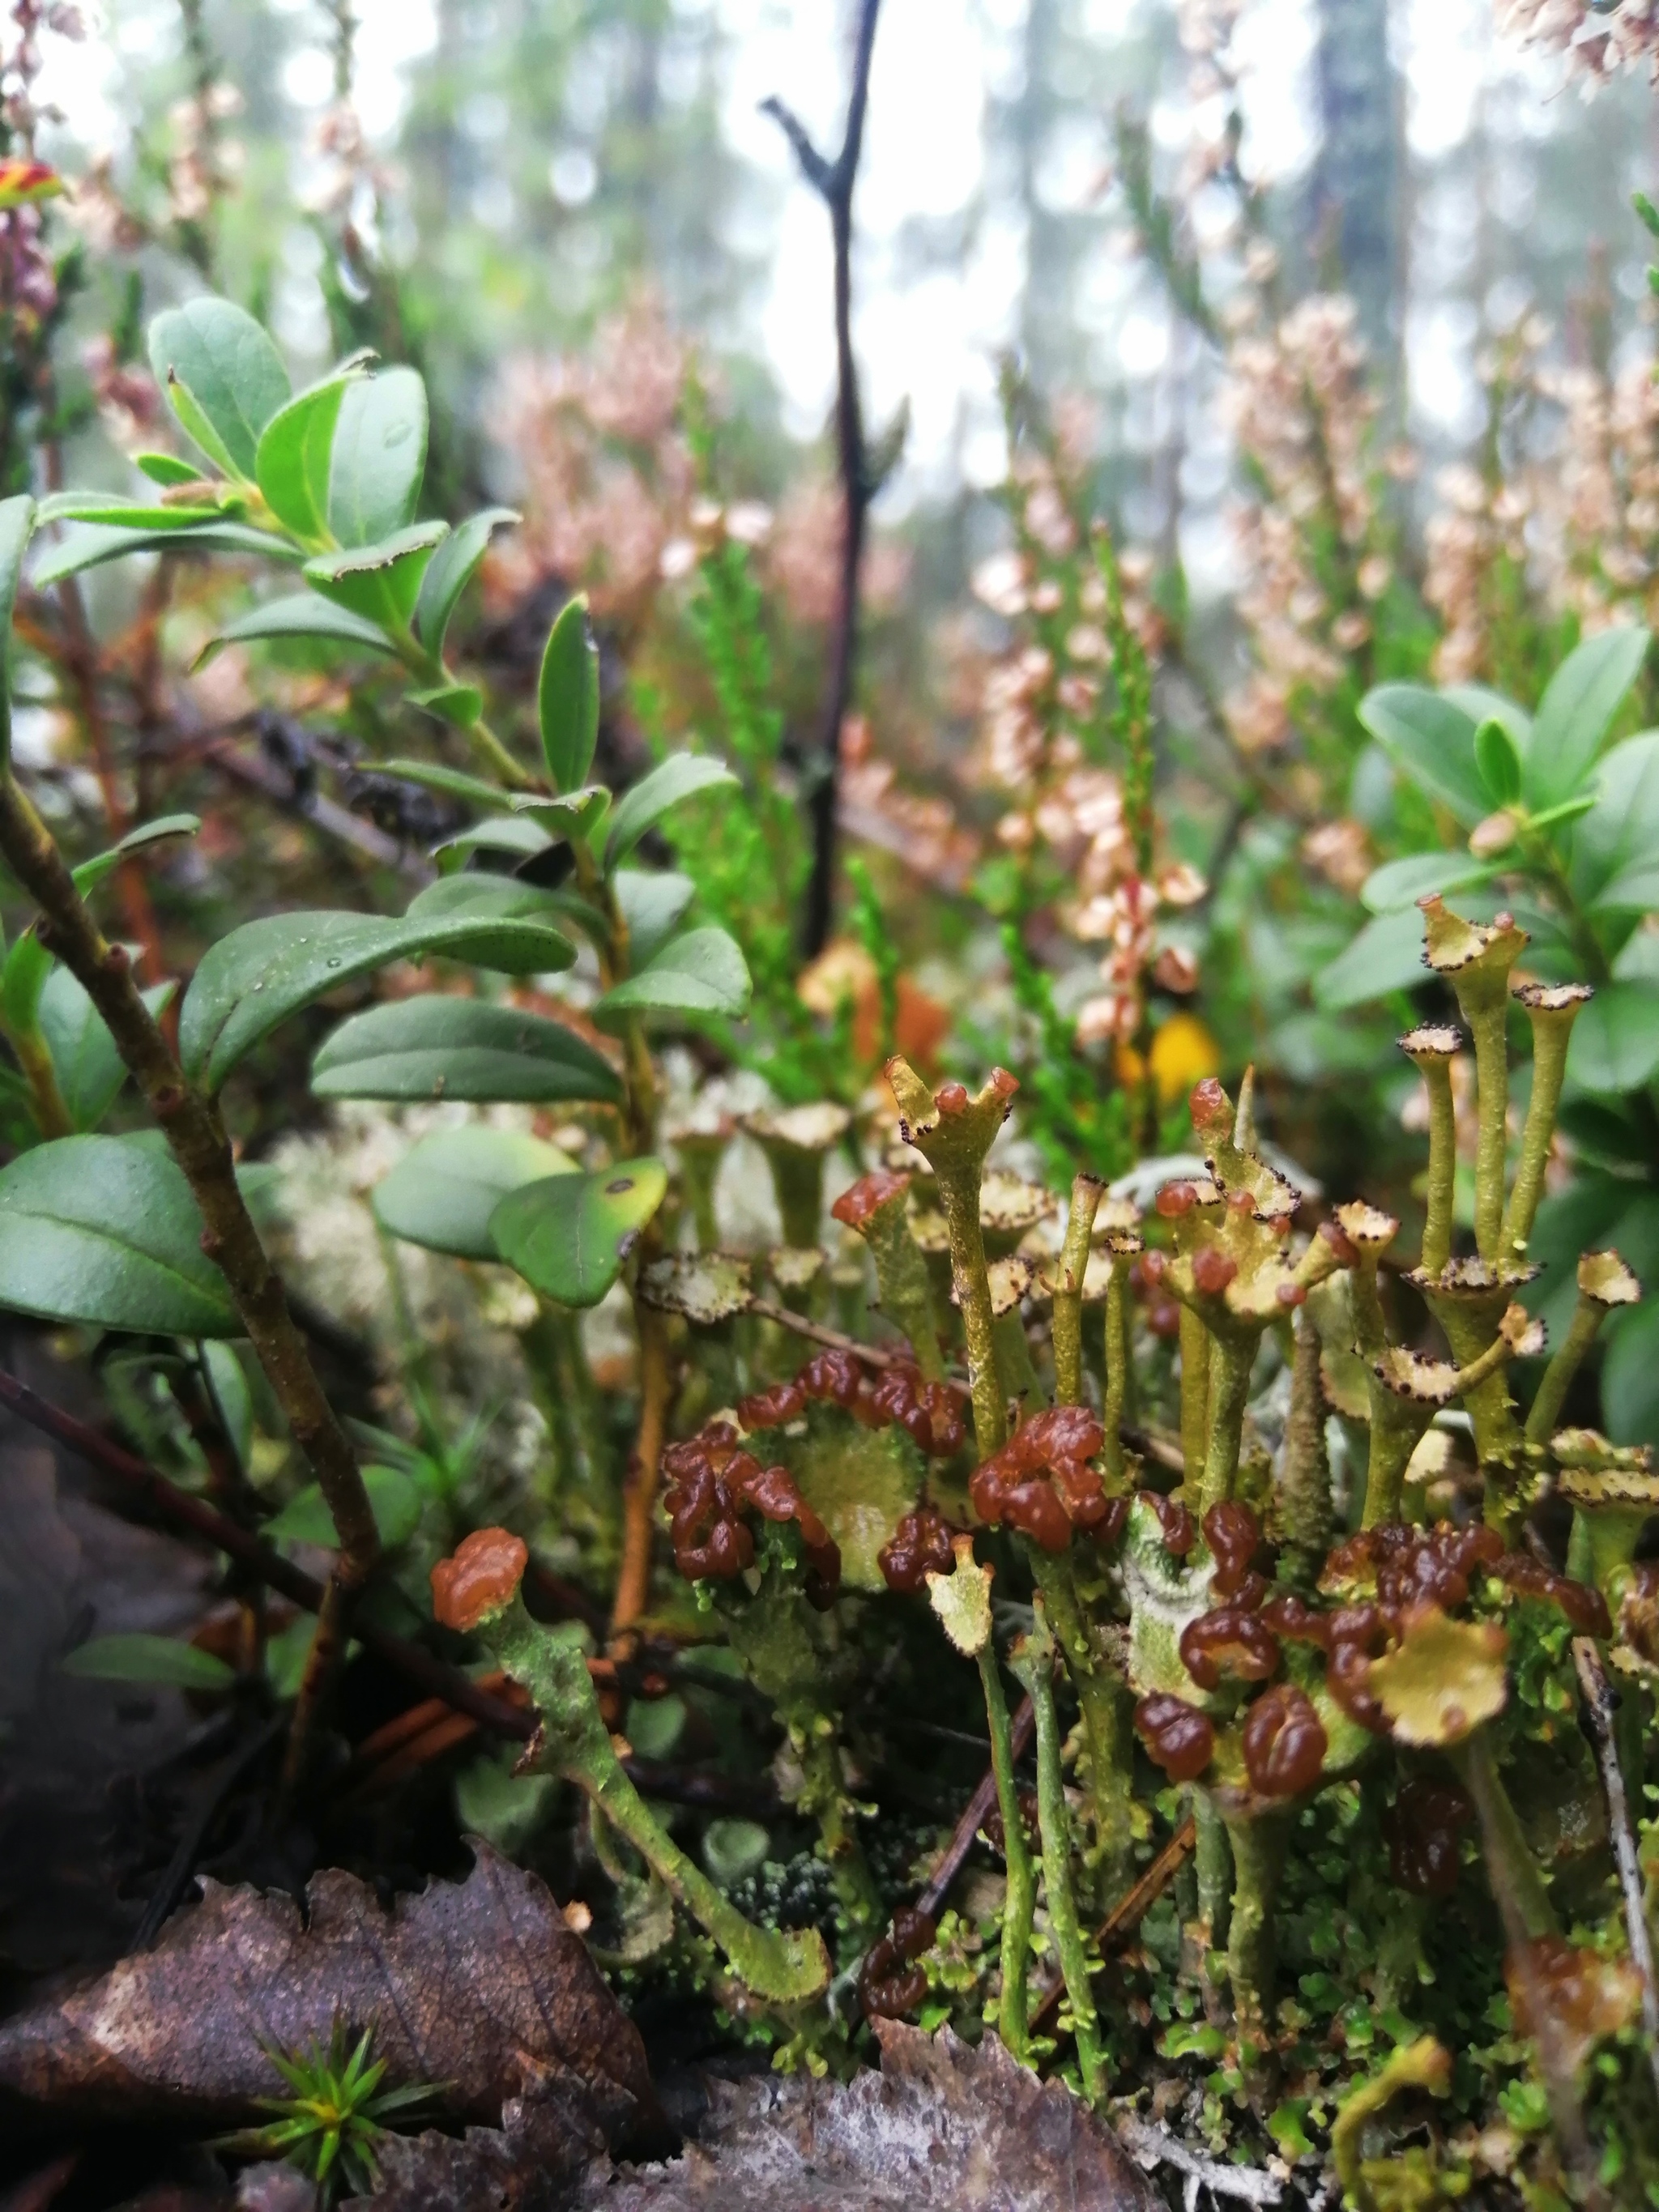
pixel 477 1985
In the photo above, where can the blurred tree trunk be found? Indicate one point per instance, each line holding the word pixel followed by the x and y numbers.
pixel 1355 192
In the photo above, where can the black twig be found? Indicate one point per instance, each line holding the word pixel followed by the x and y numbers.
pixel 834 181
pixel 182 1865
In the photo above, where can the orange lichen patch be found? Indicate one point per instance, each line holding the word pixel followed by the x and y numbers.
pixel 478 1578
pixel 1573 1996
pixel 1229 1640
pixel 1212 1111
pixel 889 1985
pixel 1177 1736
pixel 1213 1271
pixel 918 1546
pixel 1584 1606
pixel 1176 1530
pixel 1233 1534
pixel 1285 1742
pixel 861 1202
pixel 1011 1486
pixel 712 1484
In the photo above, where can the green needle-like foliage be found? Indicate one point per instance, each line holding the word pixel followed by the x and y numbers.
pixel 330 2125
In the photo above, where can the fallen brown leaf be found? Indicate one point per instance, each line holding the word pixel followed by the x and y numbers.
pixel 478 1985
pixel 941 2128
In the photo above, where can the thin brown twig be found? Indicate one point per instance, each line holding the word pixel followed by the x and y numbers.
pixel 834 181
pixel 1131 1908
pixel 1599 1710
pixel 639 1490
pixel 975 1813
pixel 785 1317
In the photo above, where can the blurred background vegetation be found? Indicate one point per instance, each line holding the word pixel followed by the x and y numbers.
pixel 1334 313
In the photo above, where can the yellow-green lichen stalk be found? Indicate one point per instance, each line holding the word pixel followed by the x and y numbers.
pixel 476 1591
pixel 1552 1009
pixel 1431 1050
pixel 1087 1191
pixel 1033 1661
pixel 954 1131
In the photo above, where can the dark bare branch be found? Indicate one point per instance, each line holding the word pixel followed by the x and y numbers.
pixel 834 182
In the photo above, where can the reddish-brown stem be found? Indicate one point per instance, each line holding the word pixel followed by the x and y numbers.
pixel 640 1491
pixel 82 669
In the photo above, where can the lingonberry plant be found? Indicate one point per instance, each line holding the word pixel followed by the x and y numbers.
pixel 1300 1558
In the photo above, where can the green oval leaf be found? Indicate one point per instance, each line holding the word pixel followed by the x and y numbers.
pixel 123 514
pixel 453 566
pixel 1497 757
pixel 292 462
pixel 1386 955
pixel 1400 883
pixel 105 1232
pixel 232 1400
pixel 445 1190
pixel 1431 740
pixel 305 614
pixel 501 833
pixel 232 375
pixel 167 469
pixel 654 795
pixel 568 697
pixel 394 1500
pixel 90 1071
pixel 568 1236
pixel 654 904
pixel 453 782
pixel 148 1659
pixel 378 457
pixel 16 522
pixel 435 1046
pixel 1482 704
pixel 1615 1040
pixel 1577 710
pixel 476 892
pixel 574 814
pixel 703 972
pixel 459 704
pixel 88 544
pixel 91 872
pixel 252 981
pixel 379 582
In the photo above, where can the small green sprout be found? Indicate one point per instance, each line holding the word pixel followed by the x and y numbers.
pixel 328 2127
